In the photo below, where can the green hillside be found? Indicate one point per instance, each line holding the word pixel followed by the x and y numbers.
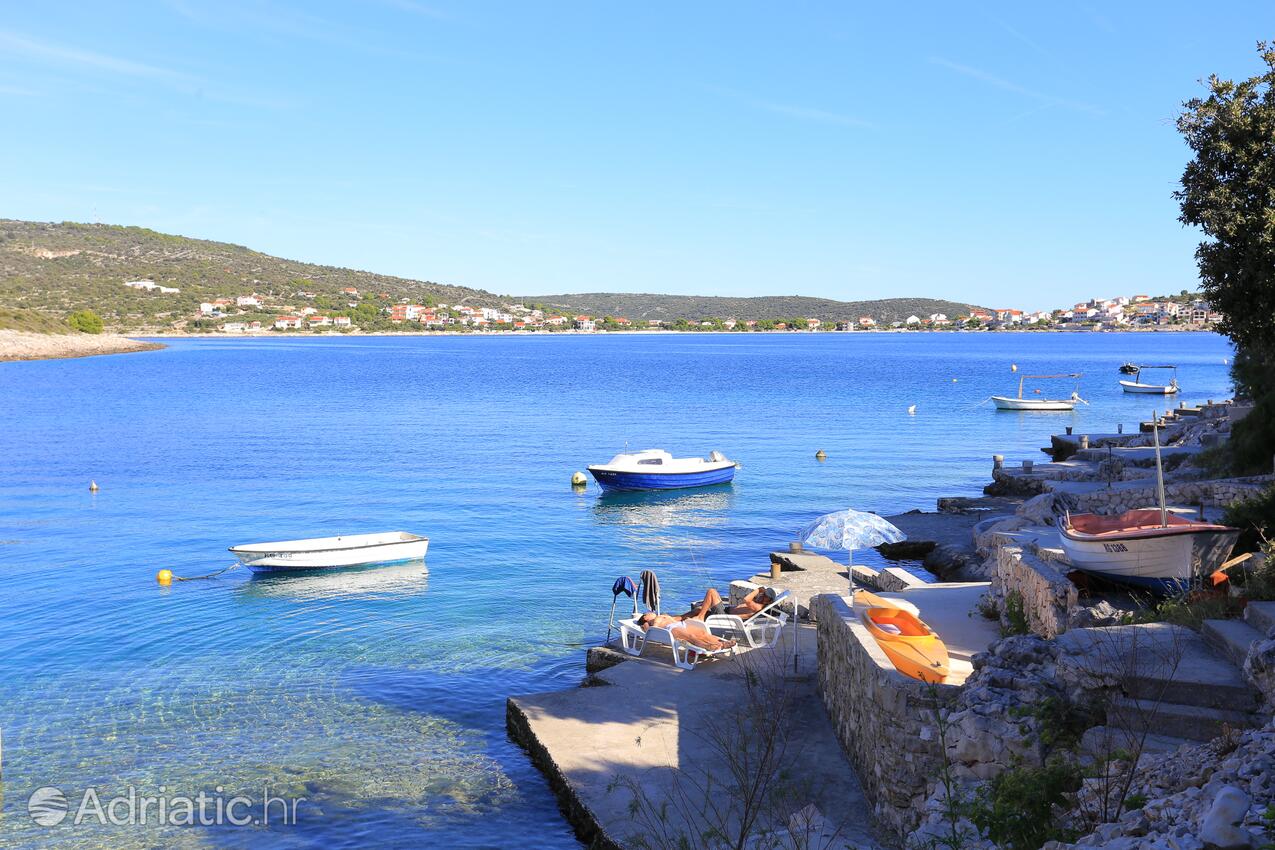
pixel 63 267
pixel 55 269
pixel 666 308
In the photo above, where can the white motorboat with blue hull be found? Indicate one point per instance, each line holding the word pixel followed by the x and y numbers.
pixel 325 553
pixel 656 469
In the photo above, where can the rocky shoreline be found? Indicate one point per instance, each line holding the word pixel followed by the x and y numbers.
pixel 22 345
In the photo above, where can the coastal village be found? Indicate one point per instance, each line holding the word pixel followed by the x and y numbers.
pixel 306 310
pixel 1070 712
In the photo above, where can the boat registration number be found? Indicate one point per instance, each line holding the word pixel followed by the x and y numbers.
pixel 1115 547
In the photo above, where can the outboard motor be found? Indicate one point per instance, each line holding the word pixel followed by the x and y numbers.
pixel 716 457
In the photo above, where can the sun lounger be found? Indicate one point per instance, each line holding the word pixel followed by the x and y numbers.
pixel 633 639
pixel 761 629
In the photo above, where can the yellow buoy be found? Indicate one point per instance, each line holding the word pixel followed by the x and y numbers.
pixel 93 488
pixel 578 479
pixel 1013 367
pixel 164 576
pixel 819 455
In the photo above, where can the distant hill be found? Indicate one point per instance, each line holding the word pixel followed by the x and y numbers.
pixel 643 307
pixel 62 267
pixel 58 268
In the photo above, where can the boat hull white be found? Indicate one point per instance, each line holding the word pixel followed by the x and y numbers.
pixel 1164 563
pixel 1149 389
pixel 359 550
pixel 1006 403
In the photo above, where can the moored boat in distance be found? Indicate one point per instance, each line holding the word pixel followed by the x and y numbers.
pixel 1146 549
pixel 1138 386
pixel 1029 403
pixel 321 553
pixel 656 469
pixel 1128 368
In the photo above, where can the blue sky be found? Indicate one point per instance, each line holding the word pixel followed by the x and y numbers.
pixel 1006 154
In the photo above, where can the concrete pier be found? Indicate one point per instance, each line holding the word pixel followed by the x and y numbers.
pixel 646 722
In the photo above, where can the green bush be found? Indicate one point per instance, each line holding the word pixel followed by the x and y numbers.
pixel 1019 808
pixel 1254 517
pixel 85 321
pixel 1015 619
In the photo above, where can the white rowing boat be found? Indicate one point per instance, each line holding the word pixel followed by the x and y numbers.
pixel 321 553
pixel 1137 385
pixel 1038 403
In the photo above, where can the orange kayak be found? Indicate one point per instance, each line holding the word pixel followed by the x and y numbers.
pixel 908 642
pixel 864 597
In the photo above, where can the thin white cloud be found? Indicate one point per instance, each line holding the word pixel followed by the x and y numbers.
pixel 1011 86
pixel 807 113
pixel 66 55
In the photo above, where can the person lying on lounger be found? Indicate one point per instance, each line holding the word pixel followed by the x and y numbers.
pixel 695 637
pixel 712 603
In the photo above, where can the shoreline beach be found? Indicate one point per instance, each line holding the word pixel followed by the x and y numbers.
pixel 23 345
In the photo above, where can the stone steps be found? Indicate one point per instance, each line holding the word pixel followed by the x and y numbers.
pixel 1195 723
pixel 1215 695
pixel 1261 616
pixel 1232 638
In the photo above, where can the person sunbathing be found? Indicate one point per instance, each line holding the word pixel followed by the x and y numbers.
pixel 695 637
pixel 712 603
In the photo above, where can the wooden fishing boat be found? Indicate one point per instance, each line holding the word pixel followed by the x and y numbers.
pixel 1144 548
pixel 1151 548
pixel 1038 403
pixel 908 642
pixel 320 553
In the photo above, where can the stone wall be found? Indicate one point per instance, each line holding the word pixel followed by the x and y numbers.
pixel 1218 493
pixel 1048 597
pixel 884 720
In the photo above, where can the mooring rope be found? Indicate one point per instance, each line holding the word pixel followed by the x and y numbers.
pixel 209 575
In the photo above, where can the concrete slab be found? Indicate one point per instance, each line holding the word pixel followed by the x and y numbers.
pixel 654 725
pixel 1158 661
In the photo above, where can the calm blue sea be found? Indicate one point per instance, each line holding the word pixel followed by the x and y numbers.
pixel 379 696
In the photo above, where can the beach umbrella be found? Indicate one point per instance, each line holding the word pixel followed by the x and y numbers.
pixel 650 590
pixel 846 530
pixel 624 585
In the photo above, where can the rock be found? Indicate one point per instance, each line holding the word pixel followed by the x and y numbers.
pixel 1220 828
pixel 1259 667
pixel 1038 510
pixel 946 560
pixel 984 530
pixel 1102 613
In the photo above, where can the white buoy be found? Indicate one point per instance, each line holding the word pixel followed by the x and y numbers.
pixel 578 479
pixel 954 380
pixel 912 410
pixel 93 488
pixel 1013 367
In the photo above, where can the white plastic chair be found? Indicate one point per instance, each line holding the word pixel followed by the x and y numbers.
pixel 761 629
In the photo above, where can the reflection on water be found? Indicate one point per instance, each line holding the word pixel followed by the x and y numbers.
pixel 397 580
pixel 701 507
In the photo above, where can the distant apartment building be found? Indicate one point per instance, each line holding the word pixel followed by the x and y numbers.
pixel 207 308
pixel 913 321
pixel 584 323
pixel 319 322
pixel 248 301
pixel 234 327
pixel 341 322
pixel 867 322
pixel 287 323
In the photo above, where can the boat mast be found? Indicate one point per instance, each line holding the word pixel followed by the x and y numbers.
pixel 1020 385
pixel 1159 470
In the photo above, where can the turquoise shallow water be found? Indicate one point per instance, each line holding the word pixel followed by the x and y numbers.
pixel 379 695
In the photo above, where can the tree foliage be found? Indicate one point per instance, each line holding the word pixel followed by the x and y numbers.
pixel 85 321
pixel 1228 191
